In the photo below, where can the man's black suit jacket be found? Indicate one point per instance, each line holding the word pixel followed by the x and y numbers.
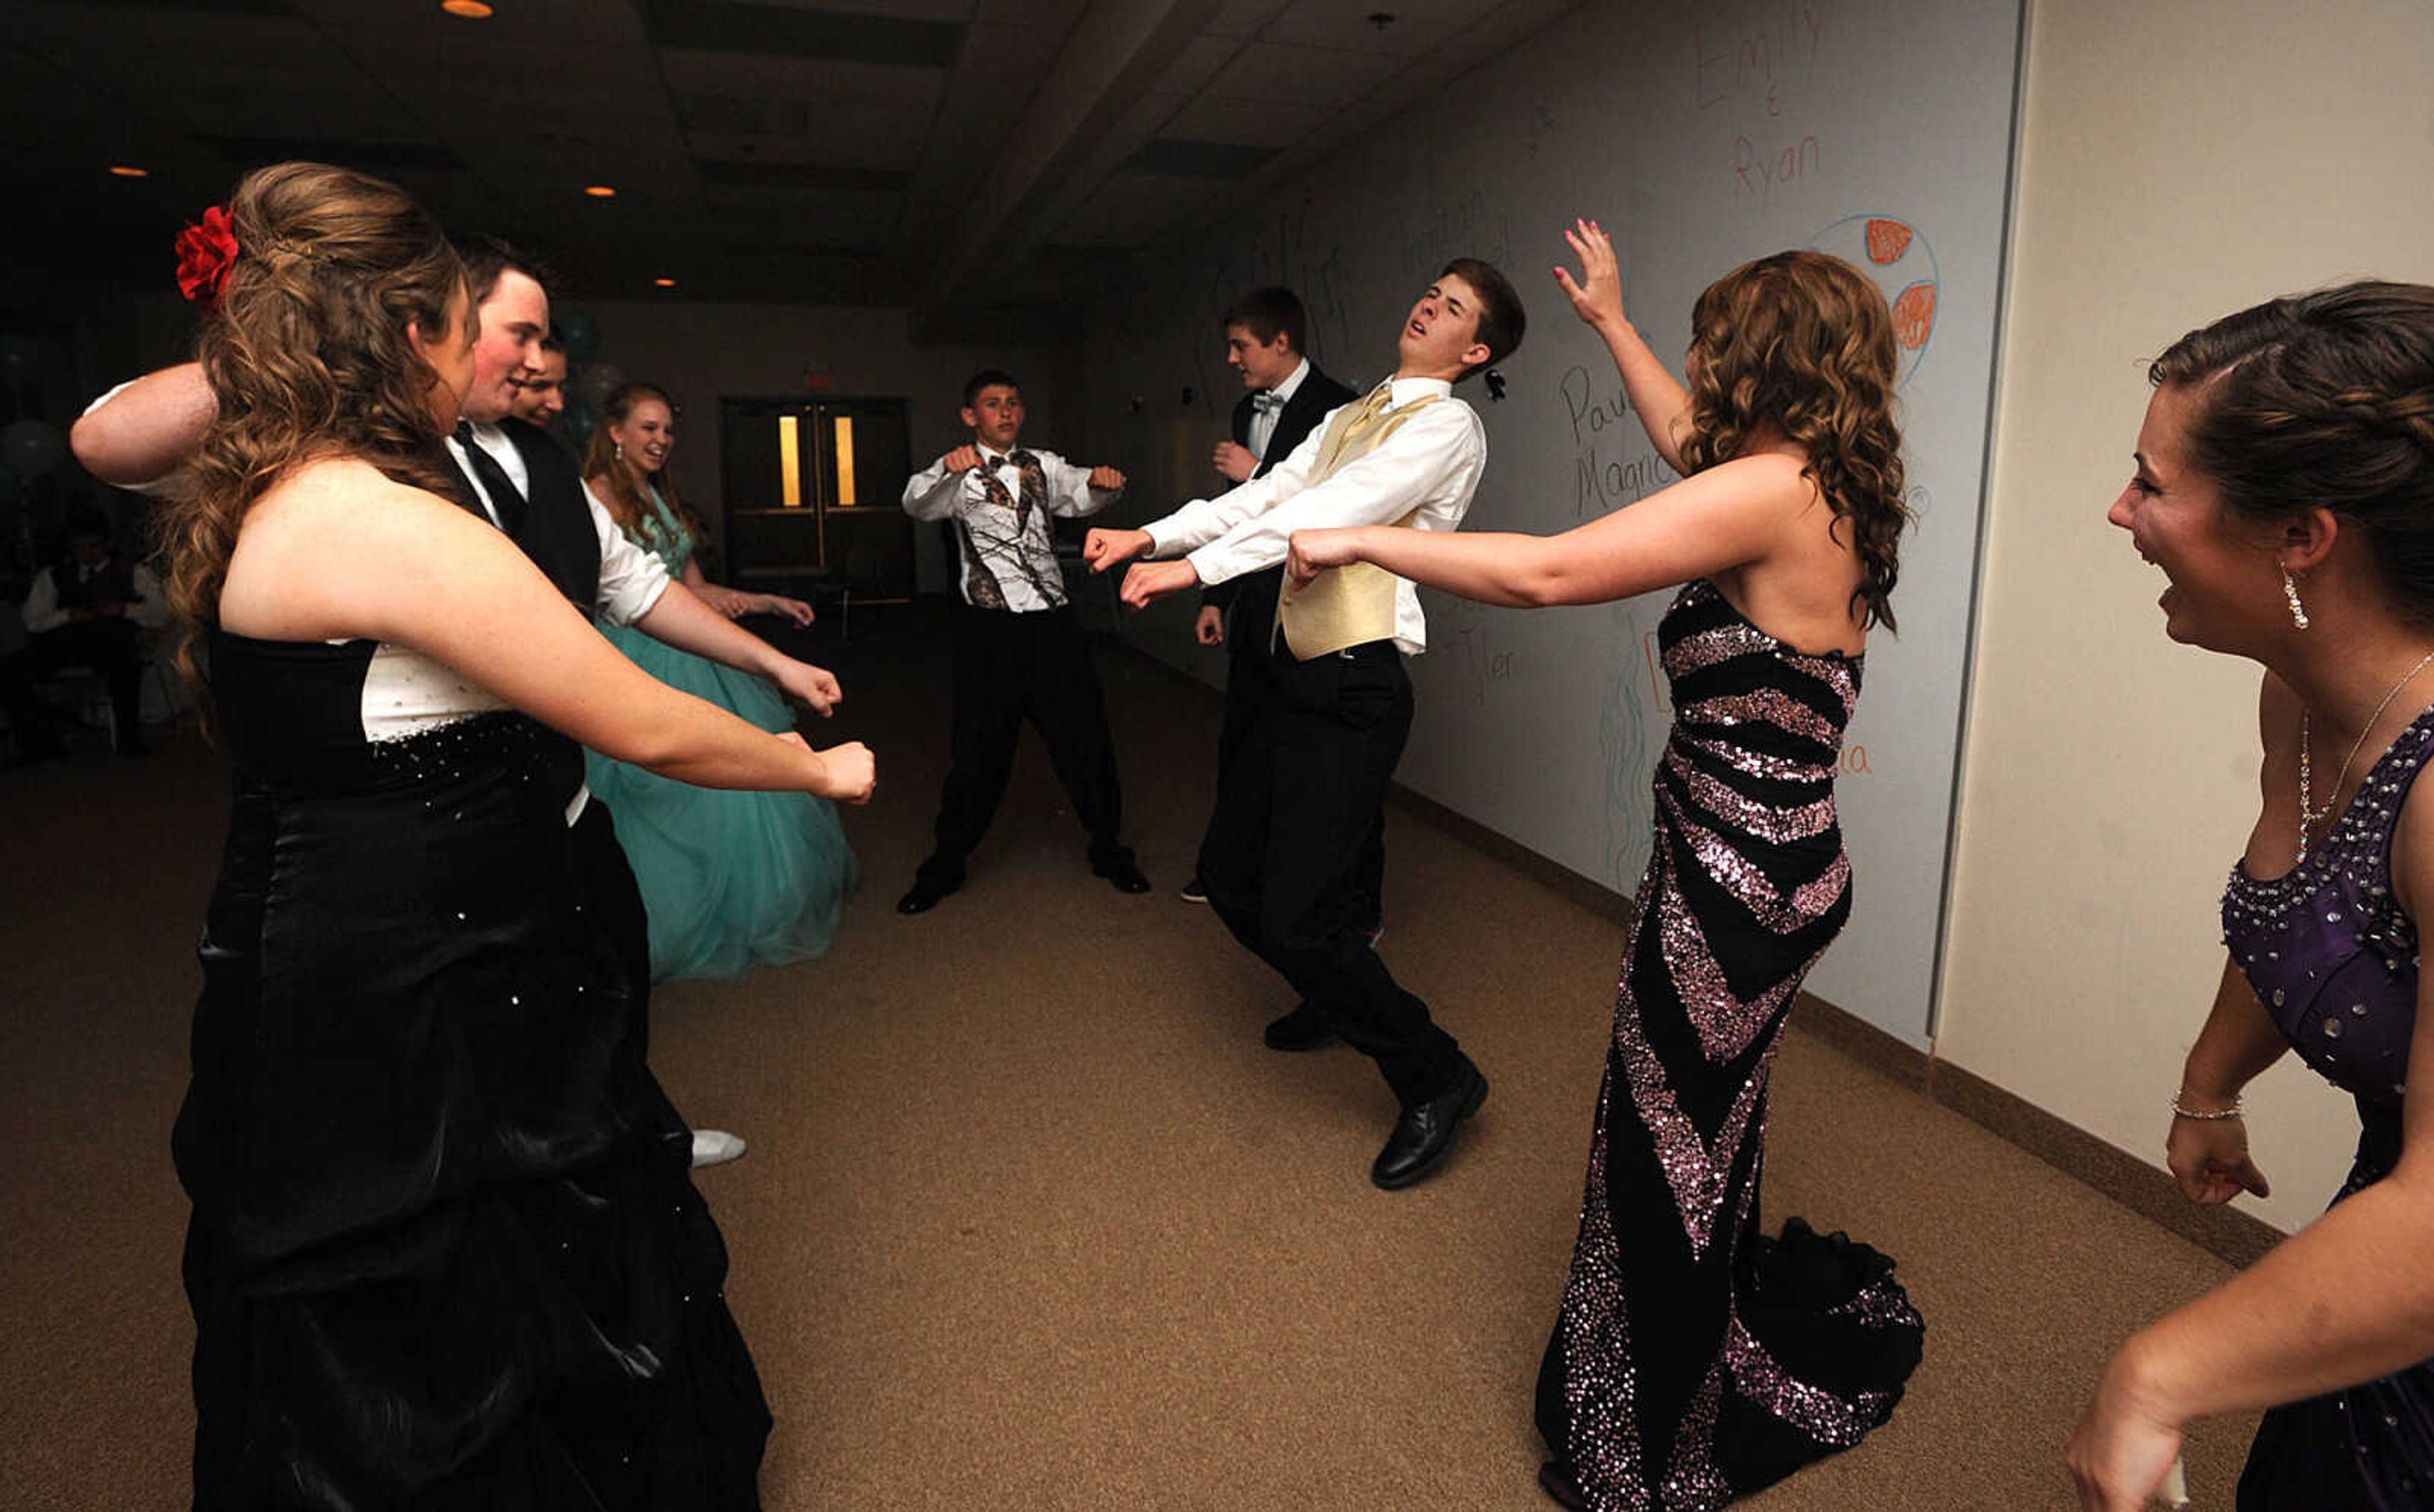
pixel 1250 601
pixel 558 536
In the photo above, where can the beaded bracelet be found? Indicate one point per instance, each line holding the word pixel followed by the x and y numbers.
pixel 2234 1110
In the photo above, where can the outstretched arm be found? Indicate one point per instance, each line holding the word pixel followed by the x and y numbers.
pixel 342 551
pixel 635 590
pixel 1074 490
pixel 681 619
pixel 1725 517
pixel 935 491
pixel 1661 401
pixel 147 429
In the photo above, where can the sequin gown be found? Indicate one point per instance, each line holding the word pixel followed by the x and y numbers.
pixel 731 881
pixel 1695 1359
pixel 444 1251
pixel 2334 961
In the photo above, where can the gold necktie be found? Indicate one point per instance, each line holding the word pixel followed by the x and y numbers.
pixel 1352 605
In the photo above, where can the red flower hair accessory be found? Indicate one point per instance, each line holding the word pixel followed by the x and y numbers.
pixel 205 254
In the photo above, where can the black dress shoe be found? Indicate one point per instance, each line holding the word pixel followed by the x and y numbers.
pixel 1304 1029
pixel 1124 875
pixel 1556 1479
pixel 1425 1130
pixel 923 896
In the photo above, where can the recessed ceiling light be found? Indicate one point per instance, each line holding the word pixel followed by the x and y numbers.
pixel 121 170
pixel 664 283
pixel 470 10
pixel 600 191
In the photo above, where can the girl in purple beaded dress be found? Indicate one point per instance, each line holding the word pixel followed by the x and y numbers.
pixel 2285 484
pixel 1696 1359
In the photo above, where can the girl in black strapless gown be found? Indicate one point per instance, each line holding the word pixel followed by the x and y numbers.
pixel 445 1252
pixel 1696 1359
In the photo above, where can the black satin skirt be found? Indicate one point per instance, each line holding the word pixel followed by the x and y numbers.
pixel 445 1250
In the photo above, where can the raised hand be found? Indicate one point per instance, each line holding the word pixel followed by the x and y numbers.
pixel 1149 582
pixel 1312 552
pixel 1597 296
pixel 963 459
pixel 2209 1159
pixel 1105 548
pixel 1235 463
pixel 1106 480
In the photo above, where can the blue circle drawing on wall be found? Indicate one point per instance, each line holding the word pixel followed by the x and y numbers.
pixel 1893 252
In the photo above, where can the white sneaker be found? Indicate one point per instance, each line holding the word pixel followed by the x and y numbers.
pixel 715 1146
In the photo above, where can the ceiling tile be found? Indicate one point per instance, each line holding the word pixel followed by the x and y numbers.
pixel 914 87
pixel 1301 76
pixel 1244 18
pixel 1256 123
pixel 1201 60
pixel 1419 25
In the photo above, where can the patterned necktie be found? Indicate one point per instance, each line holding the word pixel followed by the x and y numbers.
pixel 505 502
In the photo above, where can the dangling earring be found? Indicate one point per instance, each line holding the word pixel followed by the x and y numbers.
pixel 2290 591
pixel 2285 577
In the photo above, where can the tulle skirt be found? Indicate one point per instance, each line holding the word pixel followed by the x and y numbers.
pixel 731 880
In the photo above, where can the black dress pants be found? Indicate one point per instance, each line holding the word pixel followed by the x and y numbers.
pixel 1010 668
pixel 111 645
pixel 1297 808
pixel 1247 690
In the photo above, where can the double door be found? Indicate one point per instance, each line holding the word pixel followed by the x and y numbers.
pixel 814 490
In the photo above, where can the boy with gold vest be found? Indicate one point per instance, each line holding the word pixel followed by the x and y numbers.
pixel 1293 810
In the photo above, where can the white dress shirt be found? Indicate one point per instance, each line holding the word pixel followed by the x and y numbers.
pixel 42 610
pixel 1428 469
pixel 1018 556
pixel 1263 417
pixel 631 578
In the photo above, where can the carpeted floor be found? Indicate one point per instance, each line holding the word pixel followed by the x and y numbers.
pixel 1031 1220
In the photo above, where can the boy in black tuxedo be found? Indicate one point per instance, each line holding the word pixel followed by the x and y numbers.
pixel 1285 397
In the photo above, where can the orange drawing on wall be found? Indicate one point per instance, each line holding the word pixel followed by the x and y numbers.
pixel 1888 239
pixel 1914 316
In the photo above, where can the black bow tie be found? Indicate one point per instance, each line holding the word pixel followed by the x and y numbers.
pixel 1012 459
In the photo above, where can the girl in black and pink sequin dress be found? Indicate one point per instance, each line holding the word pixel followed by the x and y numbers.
pixel 2285 484
pixel 1696 1359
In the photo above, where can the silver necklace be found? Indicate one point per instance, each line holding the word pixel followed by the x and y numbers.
pixel 2311 817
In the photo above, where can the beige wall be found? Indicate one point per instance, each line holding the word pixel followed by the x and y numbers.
pixel 2180 158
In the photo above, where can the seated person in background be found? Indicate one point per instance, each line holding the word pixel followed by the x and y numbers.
pixel 1019 653
pixel 93 609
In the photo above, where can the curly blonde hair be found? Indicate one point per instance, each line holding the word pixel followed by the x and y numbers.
pixel 307 355
pixel 1804 343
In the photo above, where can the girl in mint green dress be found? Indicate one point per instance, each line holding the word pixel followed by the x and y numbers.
pixel 731 880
